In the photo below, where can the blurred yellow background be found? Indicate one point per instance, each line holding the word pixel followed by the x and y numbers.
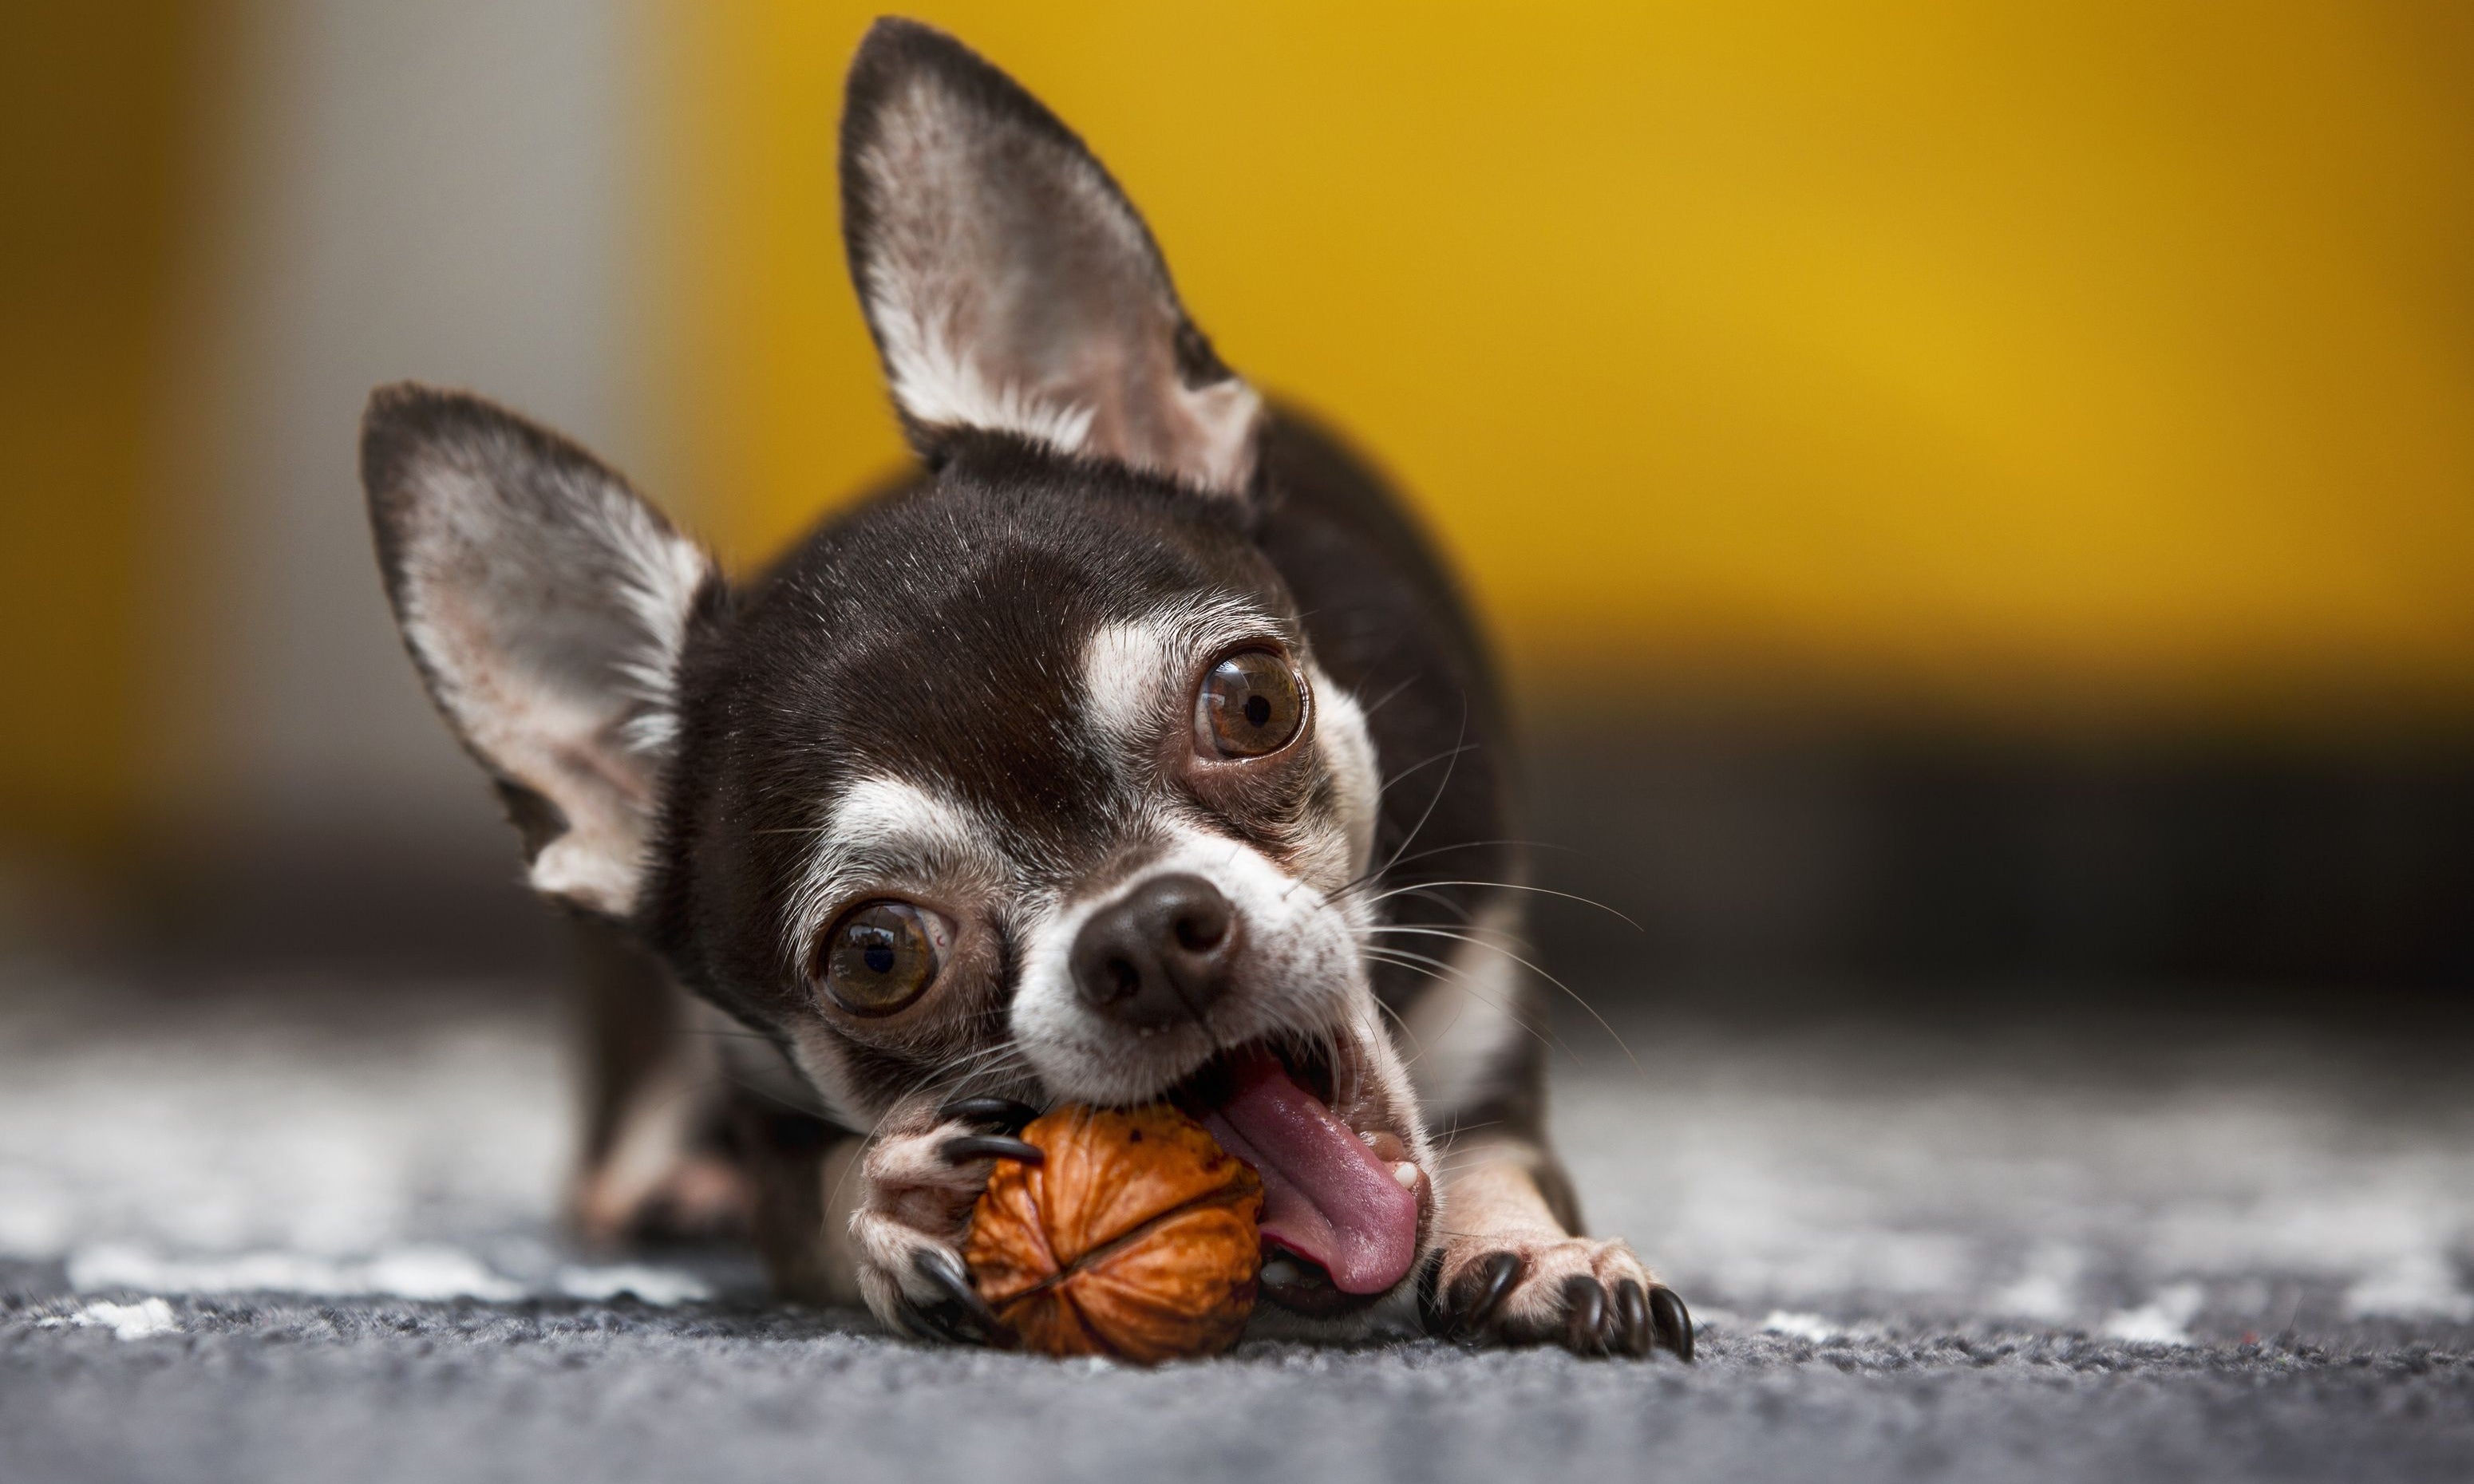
pixel 2114 345
pixel 94 109
pixel 2103 356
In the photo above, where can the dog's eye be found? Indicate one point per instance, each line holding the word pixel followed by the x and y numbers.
pixel 1250 703
pixel 880 957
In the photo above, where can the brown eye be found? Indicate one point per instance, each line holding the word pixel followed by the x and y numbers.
pixel 1250 703
pixel 880 957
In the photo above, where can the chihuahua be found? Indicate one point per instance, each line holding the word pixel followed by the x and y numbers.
pixel 1134 748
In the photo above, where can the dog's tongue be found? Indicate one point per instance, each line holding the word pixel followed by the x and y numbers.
pixel 1325 1196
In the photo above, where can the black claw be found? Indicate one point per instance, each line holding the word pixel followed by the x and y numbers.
pixel 1585 1315
pixel 1632 1306
pixel 946 1271
pixel 931 1324
pixel 1002 1112
pixel 942 1321
pixel 1479 1292
pixel 967 1147
pixel 1672 1320
pixel 961 1316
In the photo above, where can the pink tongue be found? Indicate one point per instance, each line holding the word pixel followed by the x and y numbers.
pixel 1325 1196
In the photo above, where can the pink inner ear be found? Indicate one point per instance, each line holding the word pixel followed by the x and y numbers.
pixel 548 604
pixel 1011 287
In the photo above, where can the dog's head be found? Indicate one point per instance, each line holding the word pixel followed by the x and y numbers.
pixel 1021 780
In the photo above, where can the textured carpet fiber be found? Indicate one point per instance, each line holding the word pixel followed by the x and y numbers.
pixel 264 1238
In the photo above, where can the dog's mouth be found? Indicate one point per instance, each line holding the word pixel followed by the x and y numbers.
pixel 1341 1206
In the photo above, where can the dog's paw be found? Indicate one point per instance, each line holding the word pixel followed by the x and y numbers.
pixel 916 1189
pixel 1590 1296
pixel 696 1198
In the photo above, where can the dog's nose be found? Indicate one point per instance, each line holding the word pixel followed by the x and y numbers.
pixel 1158 957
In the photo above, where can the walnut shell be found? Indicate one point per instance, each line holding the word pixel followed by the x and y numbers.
pixel 1135 1239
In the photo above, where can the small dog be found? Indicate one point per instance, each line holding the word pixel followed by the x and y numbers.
pixel 1136 748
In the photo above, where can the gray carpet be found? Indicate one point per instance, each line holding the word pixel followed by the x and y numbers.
pixel 296 1234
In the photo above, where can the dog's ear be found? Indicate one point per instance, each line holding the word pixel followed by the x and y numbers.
pixel 1009 284
pixel 546 605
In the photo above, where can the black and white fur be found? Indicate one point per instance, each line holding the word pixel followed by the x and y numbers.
pixel 976 691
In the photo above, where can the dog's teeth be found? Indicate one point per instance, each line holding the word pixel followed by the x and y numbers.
pixel 1280 1270
pixel 1407 1174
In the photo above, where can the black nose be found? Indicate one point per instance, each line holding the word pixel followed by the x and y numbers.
pixel 1158 957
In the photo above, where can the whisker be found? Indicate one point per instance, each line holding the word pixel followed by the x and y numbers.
pixel 1438 898
pixel 950 1074
pixel 1451 765
pixel 1371 873
pixel 1406 1035
pixel 1445 973
pixel 1389 696
pixel 1509 886
pixel 1424 762
pixel 1479 943
pixel 1460 1132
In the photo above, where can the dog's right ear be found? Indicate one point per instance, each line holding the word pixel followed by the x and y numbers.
pixel 547 606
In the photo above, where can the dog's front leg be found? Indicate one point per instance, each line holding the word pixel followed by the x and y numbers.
pixel 1514 1269
pixel 657 1161
pixel 897 1204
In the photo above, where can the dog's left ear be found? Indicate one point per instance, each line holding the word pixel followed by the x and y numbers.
pixel 1010 286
